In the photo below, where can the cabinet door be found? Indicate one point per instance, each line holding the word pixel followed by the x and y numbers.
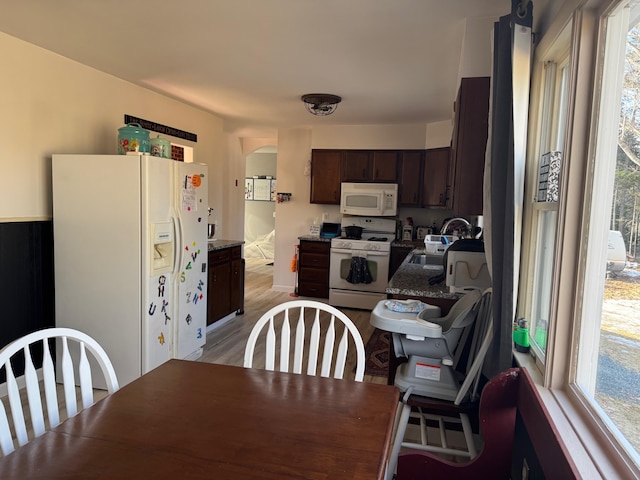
pixel 409 179
pixel 469 143
pixel 385 166
pixel 356 166
pixel 435 177
pixel 219 292
pixel 237 285
pixel 325 176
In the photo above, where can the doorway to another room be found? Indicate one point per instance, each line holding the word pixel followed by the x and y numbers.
pixel 260 206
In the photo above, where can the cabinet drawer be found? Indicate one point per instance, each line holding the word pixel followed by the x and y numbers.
pixel 314 290
pixel 315 247
pixel 314 275
pixel 219 256
pixel 314 260
pixel 235 252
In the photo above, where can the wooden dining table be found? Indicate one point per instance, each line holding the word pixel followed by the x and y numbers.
pixel 190 419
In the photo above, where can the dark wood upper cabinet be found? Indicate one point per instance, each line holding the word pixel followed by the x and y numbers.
pixel 356 166
pixel 325 176
pixel 435 177
pixel 468 145
pixel 370 166
pixel 422 175
pixel 410 174
pixel 384 166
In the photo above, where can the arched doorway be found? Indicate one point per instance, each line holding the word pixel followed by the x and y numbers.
pixel 260 207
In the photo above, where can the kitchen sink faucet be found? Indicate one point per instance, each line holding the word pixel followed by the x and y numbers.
pixel 456 219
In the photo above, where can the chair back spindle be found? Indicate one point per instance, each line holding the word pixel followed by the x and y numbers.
pixel 326 323
pixel 39 381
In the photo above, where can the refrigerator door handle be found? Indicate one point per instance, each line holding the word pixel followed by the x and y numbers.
pixel 177 231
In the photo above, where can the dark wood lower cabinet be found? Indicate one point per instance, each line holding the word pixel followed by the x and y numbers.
pixel 226 283
pixel 237 282
pixel 313 269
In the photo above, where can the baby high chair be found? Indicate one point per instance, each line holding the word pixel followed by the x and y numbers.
pixel 433 388
pixel 431 347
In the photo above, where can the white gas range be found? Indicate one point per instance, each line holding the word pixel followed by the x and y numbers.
pixel 359 267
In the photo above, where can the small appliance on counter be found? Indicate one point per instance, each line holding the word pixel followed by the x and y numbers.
pixel 330 230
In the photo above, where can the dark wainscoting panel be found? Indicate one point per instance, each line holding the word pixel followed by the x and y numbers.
pixel 26 278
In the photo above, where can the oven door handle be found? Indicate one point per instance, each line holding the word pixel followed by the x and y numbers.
pixel 367 253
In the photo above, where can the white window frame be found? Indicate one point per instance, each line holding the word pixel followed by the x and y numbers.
pixel 594 449
pixel 549 110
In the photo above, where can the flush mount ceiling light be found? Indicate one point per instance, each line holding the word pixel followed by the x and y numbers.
pixel 321 104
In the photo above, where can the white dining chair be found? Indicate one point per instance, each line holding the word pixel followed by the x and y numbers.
pixel 322 320
pixel 25 393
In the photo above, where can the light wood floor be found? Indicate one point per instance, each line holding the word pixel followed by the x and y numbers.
pixel 226 343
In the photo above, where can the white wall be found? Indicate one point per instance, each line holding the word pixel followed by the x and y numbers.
pixel 50 104
pixel 475 58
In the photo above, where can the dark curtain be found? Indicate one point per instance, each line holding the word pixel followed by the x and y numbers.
pixel 503 208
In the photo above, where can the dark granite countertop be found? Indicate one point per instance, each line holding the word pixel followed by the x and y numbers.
pixel 412 279
pixel 313 238
pixel 407 243
pixel 220 244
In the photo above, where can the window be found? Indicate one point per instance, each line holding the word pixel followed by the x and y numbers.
pixel 607 367
pixel 543 192
pixel 581 296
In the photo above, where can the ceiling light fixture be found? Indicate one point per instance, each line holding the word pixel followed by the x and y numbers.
pixel 321 104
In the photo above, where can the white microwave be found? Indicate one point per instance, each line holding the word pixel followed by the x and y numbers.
pixel 369 199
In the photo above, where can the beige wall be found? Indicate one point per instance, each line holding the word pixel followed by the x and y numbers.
pixel 50 104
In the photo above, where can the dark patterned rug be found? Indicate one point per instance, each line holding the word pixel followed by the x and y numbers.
pixel 377 354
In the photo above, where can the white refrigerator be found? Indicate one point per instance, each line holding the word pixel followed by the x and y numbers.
pixel 130 250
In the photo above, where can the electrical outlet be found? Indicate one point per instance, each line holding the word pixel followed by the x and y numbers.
pixel 525 470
